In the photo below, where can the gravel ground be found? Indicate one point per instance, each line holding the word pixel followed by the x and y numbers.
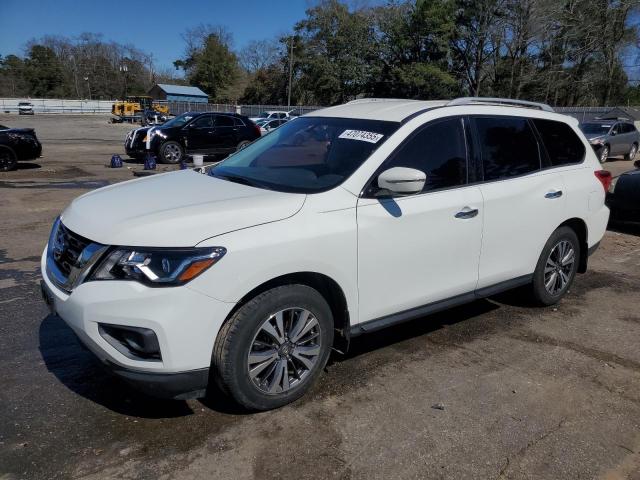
pixel 494 389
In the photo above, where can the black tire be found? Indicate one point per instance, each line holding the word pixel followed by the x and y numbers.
pixel 632 152
pixel 604 154
pixel 540 293
pixel 168 152
pixel 230 363
pixel 8 160
pixel 242 144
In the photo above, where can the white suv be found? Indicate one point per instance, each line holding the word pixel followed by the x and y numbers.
pixel 348 220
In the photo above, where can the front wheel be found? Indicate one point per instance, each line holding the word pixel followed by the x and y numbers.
pixel 243 144
pixel 274 347
pixel 557 267
pixel 604 154
pixel 171 152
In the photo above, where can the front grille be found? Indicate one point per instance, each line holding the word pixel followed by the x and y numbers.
pixel 70 257
pixel 67 249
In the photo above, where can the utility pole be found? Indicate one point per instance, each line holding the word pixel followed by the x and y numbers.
pixel 290 74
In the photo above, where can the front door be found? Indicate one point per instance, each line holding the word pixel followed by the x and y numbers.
pixel 200 133
pixel 419 249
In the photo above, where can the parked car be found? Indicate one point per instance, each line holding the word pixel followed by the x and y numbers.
pixel 269 125
pixel 612 137
pixel 17 144
pixel 205 133
pixel 272 115
pixel 25 108
pixel 345 221
pixel 624 196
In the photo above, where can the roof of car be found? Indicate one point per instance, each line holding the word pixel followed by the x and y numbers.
pixel 400 110
pixel 395 110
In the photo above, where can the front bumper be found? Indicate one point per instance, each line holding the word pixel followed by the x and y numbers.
pixel 185 322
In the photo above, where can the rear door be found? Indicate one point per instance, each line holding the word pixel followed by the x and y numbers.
pixel 226 138
pixel 618 142
pixel 523 204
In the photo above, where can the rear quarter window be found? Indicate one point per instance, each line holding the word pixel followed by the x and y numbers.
pixel 560 141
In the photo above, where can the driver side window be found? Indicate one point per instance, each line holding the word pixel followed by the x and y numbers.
pixel 437 149
pixel 203 122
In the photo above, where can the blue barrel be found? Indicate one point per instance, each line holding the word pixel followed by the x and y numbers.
pixel 116 161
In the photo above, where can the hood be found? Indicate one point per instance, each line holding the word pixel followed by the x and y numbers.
pixel 177 209
pixel 594 136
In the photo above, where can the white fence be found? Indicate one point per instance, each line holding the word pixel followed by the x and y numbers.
pixel 57 105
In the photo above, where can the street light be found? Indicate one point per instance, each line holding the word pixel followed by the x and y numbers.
pixel 124 69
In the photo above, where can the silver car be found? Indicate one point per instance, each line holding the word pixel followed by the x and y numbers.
pixel 610 138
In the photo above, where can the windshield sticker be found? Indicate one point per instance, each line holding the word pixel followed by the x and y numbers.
pixel 361 135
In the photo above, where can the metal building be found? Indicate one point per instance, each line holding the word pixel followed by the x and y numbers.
pixel 178 93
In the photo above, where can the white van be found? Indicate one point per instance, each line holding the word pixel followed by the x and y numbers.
pixel 348 220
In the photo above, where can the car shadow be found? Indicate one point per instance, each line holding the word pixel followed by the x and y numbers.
pixel 28 166
pixel 624 227
pixel 78 370
pixel 414 328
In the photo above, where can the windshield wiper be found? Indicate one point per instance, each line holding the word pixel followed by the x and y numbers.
pixel 237 179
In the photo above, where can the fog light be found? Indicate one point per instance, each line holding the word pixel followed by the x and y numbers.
pixel 136 343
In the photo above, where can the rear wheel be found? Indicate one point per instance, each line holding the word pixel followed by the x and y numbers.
pixel 243 144
pixel 557 266
pixel 171 152
pixel 632 152
pixel 8 160
pixel 274 347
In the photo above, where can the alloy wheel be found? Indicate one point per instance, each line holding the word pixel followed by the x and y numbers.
pixel 559 267
pixel 172 153
pixel 7 162
pixel 632 153
pixel 284 351
pixel 604 155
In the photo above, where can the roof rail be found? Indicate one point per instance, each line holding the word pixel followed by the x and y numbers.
pixel 373 99
pixel 499 101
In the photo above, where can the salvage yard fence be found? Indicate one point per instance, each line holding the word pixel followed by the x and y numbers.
pixel 58 105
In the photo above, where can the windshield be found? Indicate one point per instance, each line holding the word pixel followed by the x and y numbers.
pixel 179 121
pixel 597 128
pixel 310 155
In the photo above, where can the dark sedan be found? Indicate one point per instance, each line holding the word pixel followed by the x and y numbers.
pixel 624 196
pixel 189 133
pixel 17 144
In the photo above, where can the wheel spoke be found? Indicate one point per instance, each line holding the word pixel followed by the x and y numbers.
pixel 568 258
pixel 550 283
pixel 298 325
pixel 255 371
pixel 276 380
pixel 273 333
pixel 308 326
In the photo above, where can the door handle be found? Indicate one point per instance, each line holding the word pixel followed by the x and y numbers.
pixel 553 194
pixel 467 212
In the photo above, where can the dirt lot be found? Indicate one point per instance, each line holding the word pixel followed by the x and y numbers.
pixel 523 392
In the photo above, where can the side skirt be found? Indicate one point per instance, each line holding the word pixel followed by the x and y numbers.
pixel 406 315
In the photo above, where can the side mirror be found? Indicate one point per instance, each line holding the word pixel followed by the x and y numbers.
pixel 402 180
pixel 613 133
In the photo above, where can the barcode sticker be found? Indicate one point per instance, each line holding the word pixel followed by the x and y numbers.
pixel 361 135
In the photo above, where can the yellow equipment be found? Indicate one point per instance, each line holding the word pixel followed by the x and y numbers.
pixel 133 106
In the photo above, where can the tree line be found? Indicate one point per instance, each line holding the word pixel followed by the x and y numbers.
pixel 562 52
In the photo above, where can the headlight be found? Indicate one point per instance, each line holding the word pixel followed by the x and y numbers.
pixel 161 267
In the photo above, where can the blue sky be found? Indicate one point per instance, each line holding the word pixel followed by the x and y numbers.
pixel 152 26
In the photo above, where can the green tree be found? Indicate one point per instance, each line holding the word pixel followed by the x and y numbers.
pixel 212 66
pixel 43 73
